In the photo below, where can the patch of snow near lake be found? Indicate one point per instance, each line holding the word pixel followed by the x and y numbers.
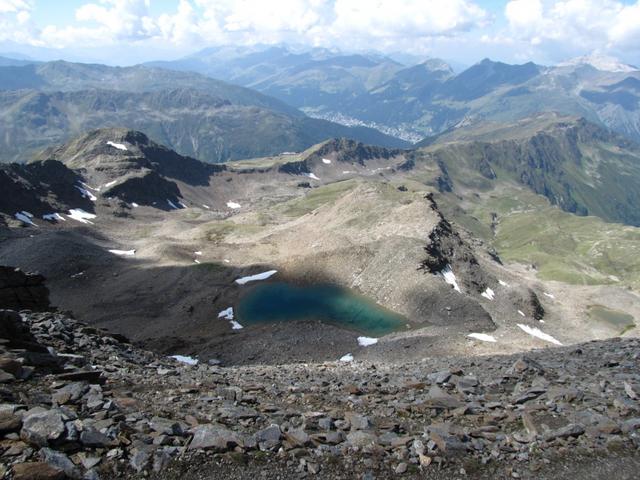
pixel 235 325
pixel 233 205
pixel 172 205
pixel 54 217
pixel 548 295
pixel 483 337
pixel 257 276
pixel 110 184
pixel 25 217
pixel 521 313
pixel 536 332
pixel 123 253
pixel 81 216
pixel 326 161
pixel 366 341
pixel 86 193
pixel 185 359
pixel 450 278
pixel 489 294
pixel 119 146
pixel 227 313
pixel 312 175
pixel 503 283
pixel 86 185
pixel 347 358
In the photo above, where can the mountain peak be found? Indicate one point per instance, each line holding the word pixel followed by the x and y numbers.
pixel 600 62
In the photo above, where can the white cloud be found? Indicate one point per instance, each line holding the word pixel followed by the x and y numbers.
pixel 575 25
pixel 393 23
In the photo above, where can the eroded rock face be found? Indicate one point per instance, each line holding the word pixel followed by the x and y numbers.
pixel 22 291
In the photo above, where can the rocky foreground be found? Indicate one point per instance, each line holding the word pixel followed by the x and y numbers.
pixel 79 402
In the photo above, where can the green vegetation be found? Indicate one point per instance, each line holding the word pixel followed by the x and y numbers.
pixel 316 198
pixel 562 246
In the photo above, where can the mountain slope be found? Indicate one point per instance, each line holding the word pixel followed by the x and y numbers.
pixel 207 119
pixel 577 165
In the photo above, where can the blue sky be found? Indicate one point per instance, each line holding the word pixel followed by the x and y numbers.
pixel 516 31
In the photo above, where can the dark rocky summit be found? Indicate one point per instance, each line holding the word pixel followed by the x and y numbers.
pixel 22 290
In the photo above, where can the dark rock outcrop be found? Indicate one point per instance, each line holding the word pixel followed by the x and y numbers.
pixel 22 291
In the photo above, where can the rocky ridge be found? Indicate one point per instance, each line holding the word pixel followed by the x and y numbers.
pixel 79 402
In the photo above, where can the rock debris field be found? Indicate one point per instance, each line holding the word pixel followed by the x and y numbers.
pixel 82 403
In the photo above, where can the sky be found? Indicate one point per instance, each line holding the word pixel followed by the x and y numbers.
pixel 124 32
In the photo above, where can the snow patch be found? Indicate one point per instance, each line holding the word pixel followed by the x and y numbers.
pixel 312 175
pixel 110 184
pixel 119 146
pixel 206 206
pixel 86 193
pixel 600 62
pixel 172 205
pixel 548 295
pixel 536 332
pixel 197 253
pixel 366 341
pixel 227 313
pixel 182 205
pixel 25 217
pixel 347 358
pixel 196 261
pixel 483 337
pixel 489 294
pixel 233 205
pixel 235 325
pixel 450 278
pixel 134 205
pixel 503 283
pixel 326 161
pixel 123 253
pixel 521 313
pixel 81 216
pixel 257 276
pixel 185 359
pixel 54 217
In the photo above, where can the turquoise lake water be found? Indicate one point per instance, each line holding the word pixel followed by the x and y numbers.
pixel 282 302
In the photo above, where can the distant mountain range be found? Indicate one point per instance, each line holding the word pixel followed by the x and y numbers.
pixel 47 103
pixel 426 99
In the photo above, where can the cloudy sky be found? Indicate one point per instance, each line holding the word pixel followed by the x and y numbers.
pixel 129 31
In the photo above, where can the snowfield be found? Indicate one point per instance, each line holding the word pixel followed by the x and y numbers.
pixel 536 332
pixel 53 217
pixel 366 341
pixel 185 359
pixel 119 146
pixel 25 217
pixel 450 278
pixel 483 337
pixel 488 294
pixel 81 216
pixel 123 253
pixel 86 193
pixel 257 276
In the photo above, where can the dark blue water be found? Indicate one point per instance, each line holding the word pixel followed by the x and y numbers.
pixel 282 302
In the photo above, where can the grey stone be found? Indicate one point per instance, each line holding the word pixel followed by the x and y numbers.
pixel 209 437
pixel 39 426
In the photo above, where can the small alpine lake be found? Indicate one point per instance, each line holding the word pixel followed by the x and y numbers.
pixel 283 302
